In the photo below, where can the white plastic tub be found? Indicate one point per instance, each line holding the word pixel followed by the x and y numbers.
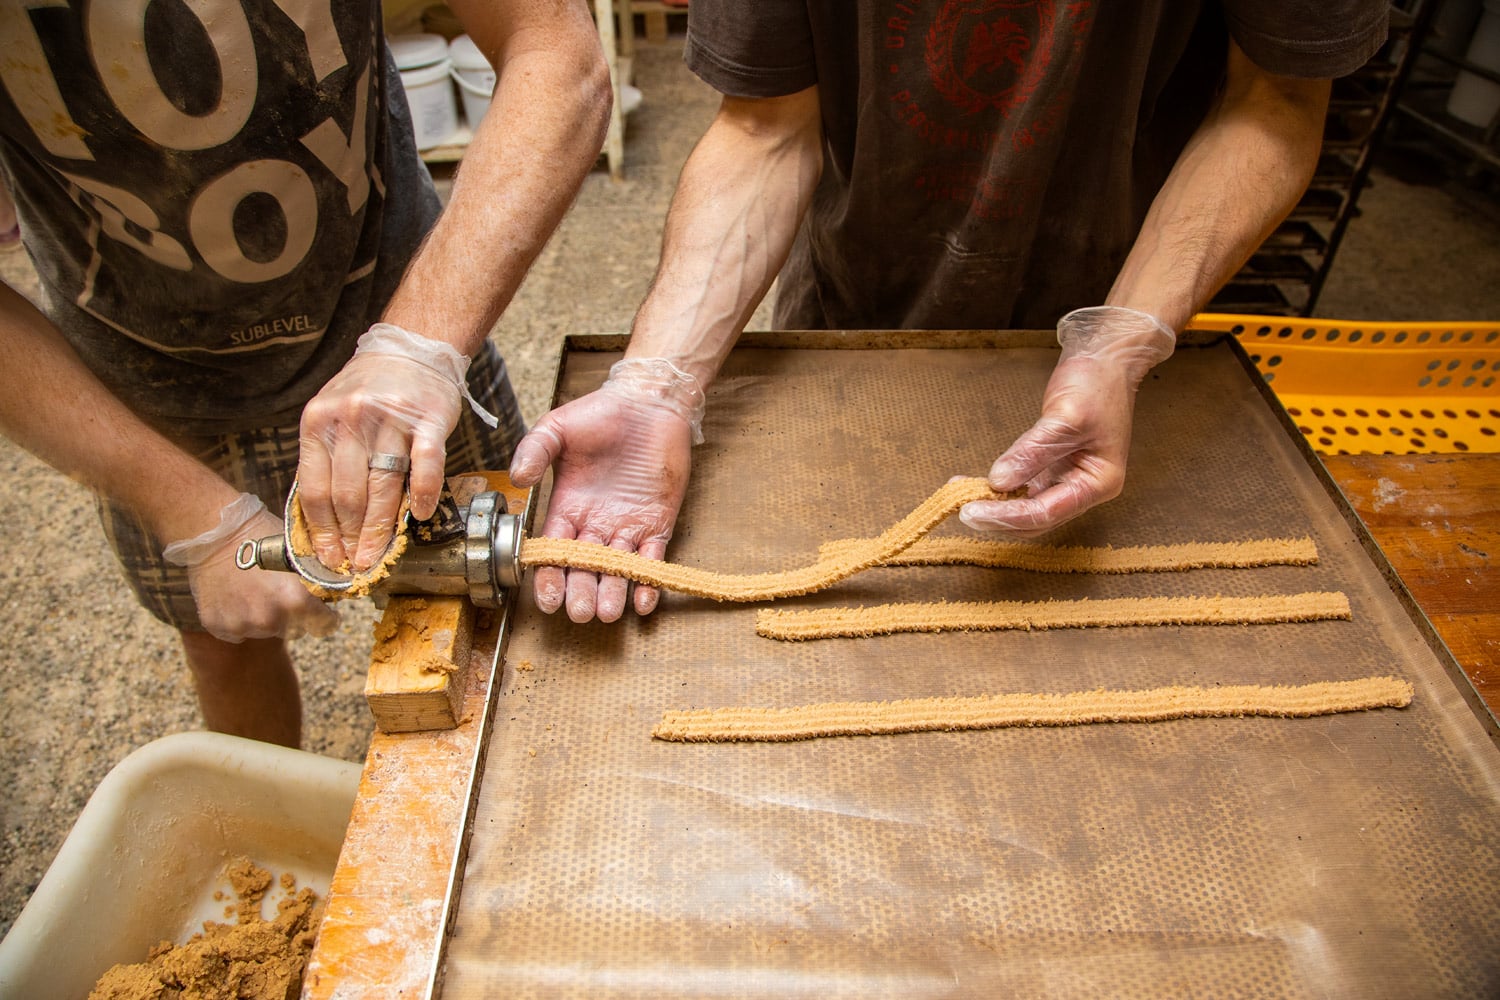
pixel 475 78
pixel 426 76
pixel 144 860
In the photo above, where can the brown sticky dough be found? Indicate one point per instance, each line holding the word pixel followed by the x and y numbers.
pixel 827 571
pixel 253 959
pixel 388 645
pixel 362 582
pixel 1040 558
pixel 904 544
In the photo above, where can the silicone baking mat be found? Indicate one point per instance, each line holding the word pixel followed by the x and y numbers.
pixel 1351 855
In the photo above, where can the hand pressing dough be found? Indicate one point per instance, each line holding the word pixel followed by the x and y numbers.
pixel 363 582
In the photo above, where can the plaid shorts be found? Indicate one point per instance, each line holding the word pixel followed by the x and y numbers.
pixel 264 462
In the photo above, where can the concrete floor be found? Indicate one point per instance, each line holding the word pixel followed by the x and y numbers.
pixel 88 676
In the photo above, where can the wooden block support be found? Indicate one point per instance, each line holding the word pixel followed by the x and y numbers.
pixel 420 659
pixel 418 664
pixel 656 27
pixel 618 60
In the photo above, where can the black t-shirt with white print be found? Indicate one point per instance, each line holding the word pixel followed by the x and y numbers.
pixel 219 196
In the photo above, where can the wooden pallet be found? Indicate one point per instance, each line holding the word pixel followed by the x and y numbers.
pixel 654 16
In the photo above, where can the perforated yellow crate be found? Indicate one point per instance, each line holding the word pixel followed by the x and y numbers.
pixel 1359 387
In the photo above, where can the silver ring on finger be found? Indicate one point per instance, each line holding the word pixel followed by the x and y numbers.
pixel 386 462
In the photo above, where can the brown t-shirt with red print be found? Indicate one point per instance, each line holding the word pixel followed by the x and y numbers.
pixel 988 163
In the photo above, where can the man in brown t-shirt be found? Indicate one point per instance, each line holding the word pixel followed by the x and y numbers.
pixel 955 164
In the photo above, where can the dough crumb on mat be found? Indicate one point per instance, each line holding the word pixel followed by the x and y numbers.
pixel 870 718
pixel 989 616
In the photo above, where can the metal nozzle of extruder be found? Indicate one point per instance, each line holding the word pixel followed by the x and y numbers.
pixel 472 550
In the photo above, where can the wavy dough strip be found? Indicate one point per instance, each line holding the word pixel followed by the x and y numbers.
pixel 722 725
pixel 759 586
pixel 904 544
pixel 956 616
pixel 1095 559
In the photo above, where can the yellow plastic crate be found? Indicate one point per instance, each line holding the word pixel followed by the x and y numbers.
pixel 1359 387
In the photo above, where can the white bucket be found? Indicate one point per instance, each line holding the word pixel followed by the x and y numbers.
pixel 1475 99
pixel 423 62
pixel 475 78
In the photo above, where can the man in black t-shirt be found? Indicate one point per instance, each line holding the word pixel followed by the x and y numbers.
pixel 959 164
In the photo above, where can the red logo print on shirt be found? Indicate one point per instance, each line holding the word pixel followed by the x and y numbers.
pixel 979 82
pixel 989 53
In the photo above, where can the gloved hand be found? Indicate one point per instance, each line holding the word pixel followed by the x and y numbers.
pixel 395 401
pixel 1074 456
pixel 622 456
pixel 236 604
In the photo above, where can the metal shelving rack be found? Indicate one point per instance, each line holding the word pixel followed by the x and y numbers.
pixel 1286 274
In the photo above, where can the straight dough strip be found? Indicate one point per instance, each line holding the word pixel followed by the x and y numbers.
pixel 1095 559
pixel 723 725
pixel 759 586
pixel 945 616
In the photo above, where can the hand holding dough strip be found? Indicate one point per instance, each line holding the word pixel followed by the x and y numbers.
pixel 759 586
pixel 904 544
pixel 805 722
pixel 989 616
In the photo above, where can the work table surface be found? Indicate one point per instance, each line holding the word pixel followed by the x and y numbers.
pixel 1436 518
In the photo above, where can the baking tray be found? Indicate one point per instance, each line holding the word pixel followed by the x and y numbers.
pixel 1349 855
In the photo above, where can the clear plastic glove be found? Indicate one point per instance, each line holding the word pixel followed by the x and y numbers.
pixel 622 455
pixel 236 604
pixel 398 397
pixel 1073 458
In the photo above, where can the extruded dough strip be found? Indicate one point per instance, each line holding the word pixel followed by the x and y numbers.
pixel 723 725
pixel 1095 559
pixel 944 616
pixel 759 586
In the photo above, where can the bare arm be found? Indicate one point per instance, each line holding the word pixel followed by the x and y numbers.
pixel 538 140
pixel 1240 174
pixel 737 207
pixel 55 408
pixel 622 454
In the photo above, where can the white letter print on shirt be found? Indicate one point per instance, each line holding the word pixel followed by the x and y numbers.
pixel 196 228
